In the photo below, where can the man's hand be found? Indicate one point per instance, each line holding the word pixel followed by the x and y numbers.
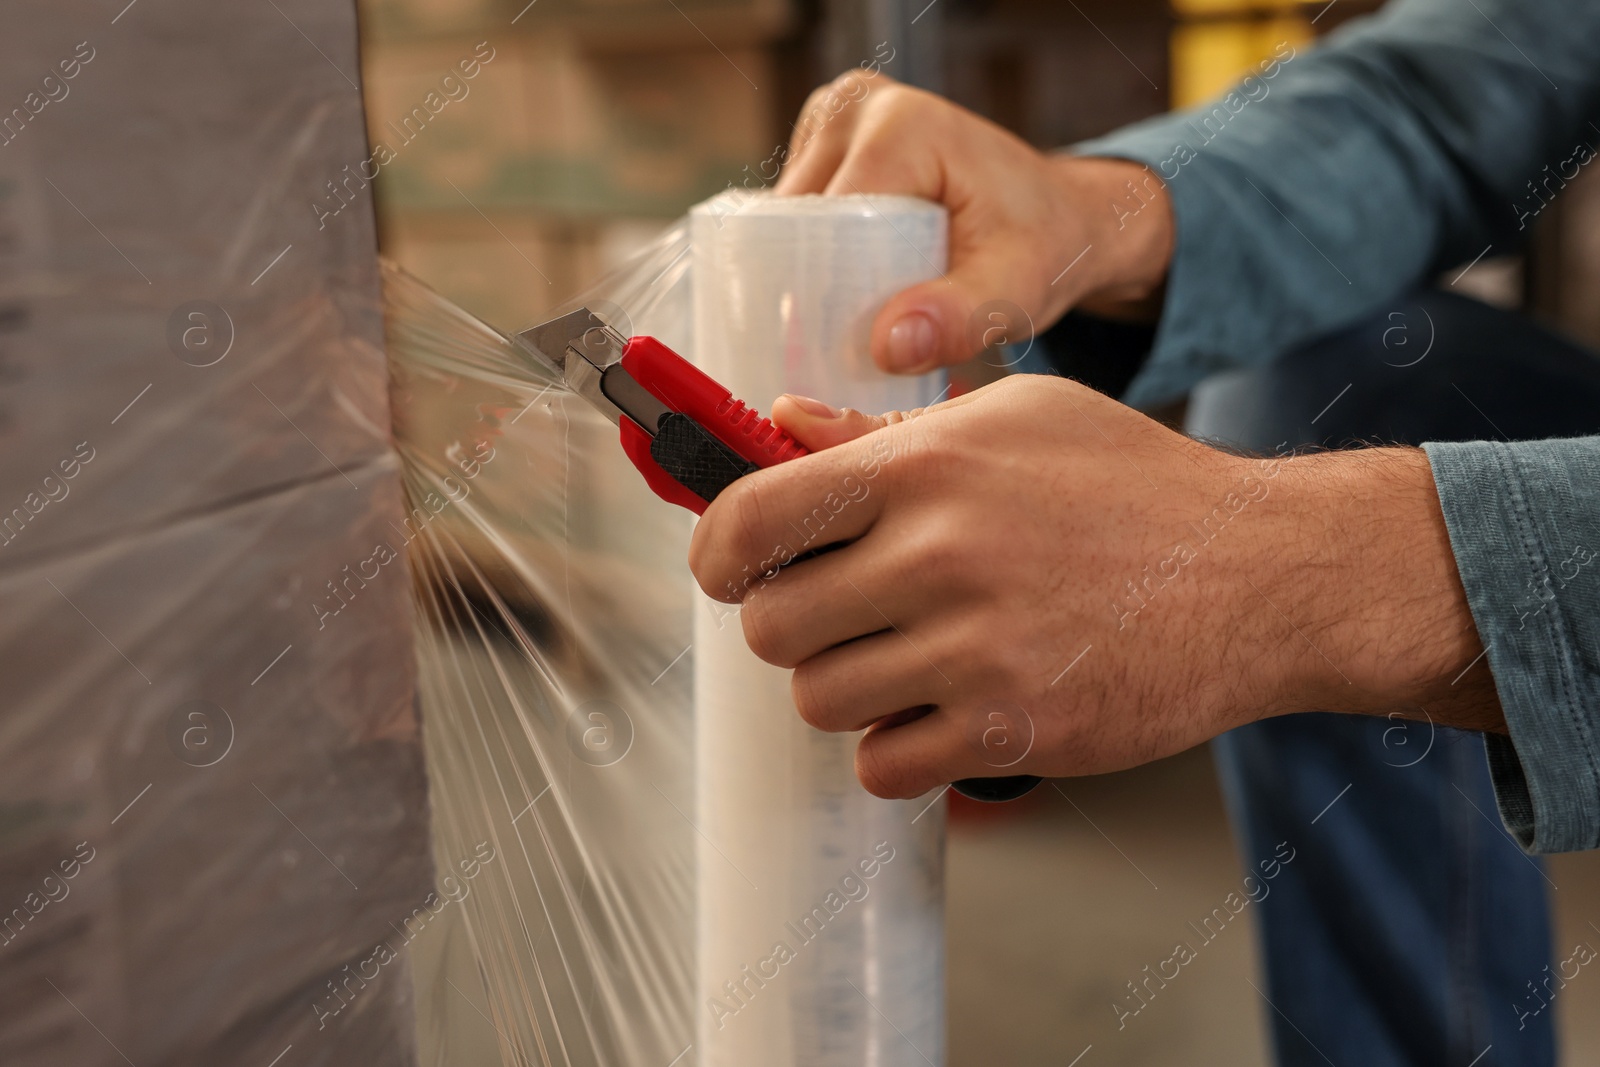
pixel 1035 570
pixel 1046 233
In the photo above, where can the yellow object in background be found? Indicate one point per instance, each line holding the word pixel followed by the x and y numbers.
pixel 1216 42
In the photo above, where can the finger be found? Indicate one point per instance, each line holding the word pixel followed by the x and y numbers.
pixel 856 685
pixel 771 517
pixel 823 132
pixel 904 761
pixel 891 148
pixel 818 603
pixel 814 155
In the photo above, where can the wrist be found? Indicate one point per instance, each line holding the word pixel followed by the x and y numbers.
pixel 1360 563
pixel 1123 210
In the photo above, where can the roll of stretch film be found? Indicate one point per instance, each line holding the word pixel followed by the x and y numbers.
pixel 819 907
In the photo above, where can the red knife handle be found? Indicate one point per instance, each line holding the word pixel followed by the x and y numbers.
pixel 709 440
pixel 686 389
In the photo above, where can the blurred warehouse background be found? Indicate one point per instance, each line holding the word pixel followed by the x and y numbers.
pixel 590 124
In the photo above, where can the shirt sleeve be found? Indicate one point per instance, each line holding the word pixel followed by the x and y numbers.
pixel 1524 522
pixel 1334 177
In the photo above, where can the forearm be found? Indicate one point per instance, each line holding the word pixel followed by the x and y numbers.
pixel 1457 584
pixel 1355 569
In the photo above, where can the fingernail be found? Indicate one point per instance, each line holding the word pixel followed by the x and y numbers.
pixel 813 407
pixel 911 343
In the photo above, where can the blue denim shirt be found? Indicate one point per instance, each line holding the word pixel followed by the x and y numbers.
pixel 1333 179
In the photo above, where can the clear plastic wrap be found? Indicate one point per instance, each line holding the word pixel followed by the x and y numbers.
pixel 660 819
pixel 552 597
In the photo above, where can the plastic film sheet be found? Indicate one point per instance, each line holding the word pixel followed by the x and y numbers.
pixel 680 871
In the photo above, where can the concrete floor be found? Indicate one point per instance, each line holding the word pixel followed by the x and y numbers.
pixel 1059 900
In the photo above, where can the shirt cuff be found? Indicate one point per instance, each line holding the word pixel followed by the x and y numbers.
pixel 1524 523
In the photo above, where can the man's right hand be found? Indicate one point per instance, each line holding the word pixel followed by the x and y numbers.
pixel 1044 232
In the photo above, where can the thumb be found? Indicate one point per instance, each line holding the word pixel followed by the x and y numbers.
pixel 818 426
pixel 933 324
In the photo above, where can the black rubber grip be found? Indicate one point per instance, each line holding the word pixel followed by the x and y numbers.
pixel 695 458
pixel 996 790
